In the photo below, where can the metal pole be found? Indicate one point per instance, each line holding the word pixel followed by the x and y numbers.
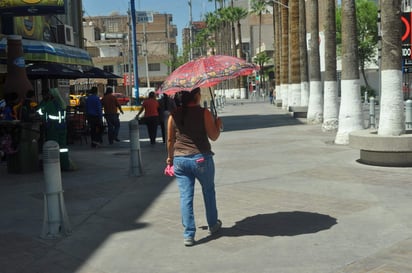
pixel 135 155
pixel 55 217
pixel 190 30
pixel 372 116
pixel 145 54
pixel 135 52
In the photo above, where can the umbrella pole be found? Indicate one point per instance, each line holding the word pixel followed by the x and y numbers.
pixel 212 103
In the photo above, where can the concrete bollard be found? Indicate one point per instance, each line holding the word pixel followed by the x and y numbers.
pixel 372 116
pixel 408 115
pixel 135 153
pixel 55 221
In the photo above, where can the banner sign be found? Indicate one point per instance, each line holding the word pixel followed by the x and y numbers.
pixel 31 7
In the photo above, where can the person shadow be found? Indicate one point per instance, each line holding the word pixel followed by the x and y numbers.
pixel 275 224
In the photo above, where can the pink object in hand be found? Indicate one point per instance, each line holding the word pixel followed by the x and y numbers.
pixel 169 170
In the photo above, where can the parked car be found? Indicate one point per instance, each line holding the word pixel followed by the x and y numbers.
pixel 122 99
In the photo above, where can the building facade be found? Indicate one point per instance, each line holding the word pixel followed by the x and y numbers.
pixel 107 39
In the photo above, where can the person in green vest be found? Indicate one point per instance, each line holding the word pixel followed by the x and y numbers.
pixel 54 127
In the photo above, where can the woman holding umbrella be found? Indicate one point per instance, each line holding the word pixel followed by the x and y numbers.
pixel 189 151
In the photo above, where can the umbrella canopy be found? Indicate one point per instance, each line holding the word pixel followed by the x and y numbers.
pixel 206 72
pixel 51 71
pixel 97 73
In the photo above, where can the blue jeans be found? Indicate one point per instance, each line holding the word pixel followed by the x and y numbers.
pixel 187 169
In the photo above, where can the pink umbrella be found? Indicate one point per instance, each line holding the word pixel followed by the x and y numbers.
pixel 206 72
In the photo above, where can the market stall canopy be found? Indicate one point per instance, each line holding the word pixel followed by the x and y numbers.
pixel 51 71
pixel 97 73
pixel 42 51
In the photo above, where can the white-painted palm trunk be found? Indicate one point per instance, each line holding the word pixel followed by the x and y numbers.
pixel 304 98
pixel 278 92
pixel 295 94
pixel 391 117
pixel 350 112
pixel 315 107
pixel 290 95
pixel 285 90
pixel 331 107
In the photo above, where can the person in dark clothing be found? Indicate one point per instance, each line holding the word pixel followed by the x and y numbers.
pixel 166 106
pixel 94 117
pixel 28 108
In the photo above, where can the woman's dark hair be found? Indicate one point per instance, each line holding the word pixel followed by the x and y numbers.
pixel 151 94
pixel 188 97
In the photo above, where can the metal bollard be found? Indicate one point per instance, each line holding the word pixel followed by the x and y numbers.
pixel 55 216
pixel 372 117
pixel 135 153
pixel 408 115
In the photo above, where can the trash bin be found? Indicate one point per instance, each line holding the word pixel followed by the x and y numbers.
pixel 26 157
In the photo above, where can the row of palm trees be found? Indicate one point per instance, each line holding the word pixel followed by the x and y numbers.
pixel 297 72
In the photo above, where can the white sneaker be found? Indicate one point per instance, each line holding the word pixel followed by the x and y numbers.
pixel 189 241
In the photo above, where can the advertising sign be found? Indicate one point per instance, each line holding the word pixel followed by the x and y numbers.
pixel 406 35
pixel 31 7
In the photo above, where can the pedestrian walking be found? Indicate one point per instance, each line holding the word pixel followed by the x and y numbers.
pixel 94 117
pixel 150 106
pixel 111 106
pixel 189 152
pixel 166 106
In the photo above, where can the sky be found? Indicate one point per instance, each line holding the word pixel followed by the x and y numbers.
pixel 178 8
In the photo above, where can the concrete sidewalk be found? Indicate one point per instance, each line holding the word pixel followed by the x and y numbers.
pixel 290 200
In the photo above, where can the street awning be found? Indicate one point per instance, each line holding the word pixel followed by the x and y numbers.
pixel 41 51
pixel 97 73
pixel 51 71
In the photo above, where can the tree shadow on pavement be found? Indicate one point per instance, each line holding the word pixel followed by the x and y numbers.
pixel 276 224
pixel 249 122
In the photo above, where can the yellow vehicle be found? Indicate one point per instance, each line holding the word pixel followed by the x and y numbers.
pixel 74 100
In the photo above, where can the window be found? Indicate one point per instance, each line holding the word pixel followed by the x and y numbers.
pixel 108 68
pixel 154 67
pixel 125 68
pixel 112 25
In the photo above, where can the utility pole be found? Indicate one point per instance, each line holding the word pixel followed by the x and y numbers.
pixel 134 48
pixel 190 30
pixel 145 54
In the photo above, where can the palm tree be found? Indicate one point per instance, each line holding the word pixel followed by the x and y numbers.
pixel 213 22
pixel 315 108
pixel 232 19
pixel 284 69
pixel 261 59
pixel 239 14
pixel 275 40
pixel 228 33
pixel 330 121
pixel 350 112
pixel 392 110
pixel 294 63
pixel 259 7
pixel 304 72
